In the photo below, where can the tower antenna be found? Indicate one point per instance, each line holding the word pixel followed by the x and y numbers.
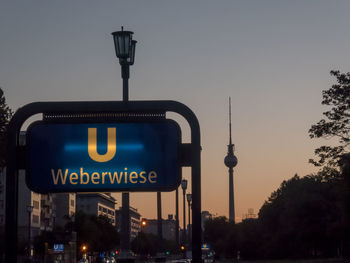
pixel 230 118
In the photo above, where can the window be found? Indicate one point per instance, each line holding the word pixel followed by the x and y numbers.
pixel 36 204
pixel 35 219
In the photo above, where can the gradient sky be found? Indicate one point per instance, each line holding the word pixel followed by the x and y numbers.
pixel 272 57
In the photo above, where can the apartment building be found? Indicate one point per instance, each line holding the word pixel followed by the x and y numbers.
pixel 65 208
pixel 168 227
pixel 97 204
pixel 135 221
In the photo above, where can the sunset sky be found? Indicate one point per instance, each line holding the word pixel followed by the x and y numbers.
pixel 272 57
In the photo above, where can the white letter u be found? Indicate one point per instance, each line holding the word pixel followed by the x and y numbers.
pixel 111 145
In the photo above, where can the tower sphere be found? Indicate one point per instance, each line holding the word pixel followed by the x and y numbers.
pixel 230 161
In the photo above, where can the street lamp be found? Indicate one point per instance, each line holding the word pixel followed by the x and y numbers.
pixel 125 51
pixel 29 210
pixel 189 200
pixel 184 187
pixel 143 223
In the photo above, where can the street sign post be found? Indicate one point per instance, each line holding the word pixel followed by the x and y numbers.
pixel 94 113
pixel 98 157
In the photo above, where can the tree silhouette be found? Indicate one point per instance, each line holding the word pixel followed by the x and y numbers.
pixel 5 116
pixel 336 123
pixel 302 218
pixel 95 232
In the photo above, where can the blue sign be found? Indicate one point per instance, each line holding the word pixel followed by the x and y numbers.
pixel 97 157
pixel 205 246
pixel 58 247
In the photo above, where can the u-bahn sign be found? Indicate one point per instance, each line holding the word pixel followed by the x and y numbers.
pixel 81 157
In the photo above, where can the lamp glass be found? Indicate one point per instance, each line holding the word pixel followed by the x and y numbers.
pixel 122 43
pixel 131 58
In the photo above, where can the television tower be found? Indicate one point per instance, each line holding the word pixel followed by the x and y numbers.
pixel 230 162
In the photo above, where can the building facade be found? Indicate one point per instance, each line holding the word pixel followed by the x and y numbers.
pixel 29 211
pixel 36 212
pixel 135 221
pixel 65 208
pixel 97 204
pixel 168 227
pixel 205 216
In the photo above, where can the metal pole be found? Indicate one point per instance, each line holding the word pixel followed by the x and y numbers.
pixel 184 230
pixel 189 224
pixel 11 192
pixel 125 223
pixel 125 77
pixel 159 220
pixel 196 191
pixel 177 216
pixel 125 226
pixel 29 233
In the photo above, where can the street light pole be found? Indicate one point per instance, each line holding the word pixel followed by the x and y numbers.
pixel 184 187
pixel 189 200
pixel 177 216
pixel 125 51
pixel 159 220
pixel 29 210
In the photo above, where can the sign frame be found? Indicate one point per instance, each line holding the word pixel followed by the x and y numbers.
pixel 43 190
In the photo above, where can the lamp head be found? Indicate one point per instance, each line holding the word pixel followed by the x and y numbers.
pixel 189 198
pixel 123 44
pixel 184 184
